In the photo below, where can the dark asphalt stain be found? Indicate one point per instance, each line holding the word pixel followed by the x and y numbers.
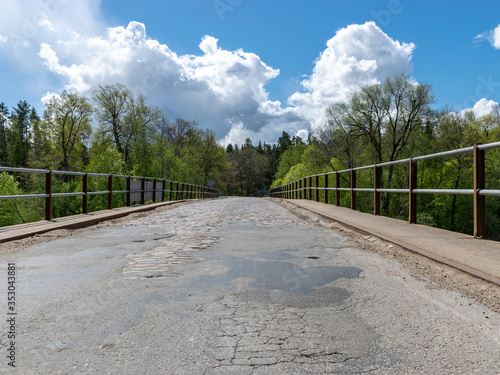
pixel 277 281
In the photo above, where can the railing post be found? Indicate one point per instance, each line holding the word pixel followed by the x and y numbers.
pixel 85 190
pixel 48 191
pixel 300 189
pixel 479 200
pixel 163 192
pixel 143 190
pixel 110 192
pixel 171 191
pixel 128 188
pixel 317 188
pixel 413 196
pixel 310 187
pixel 376 195
pixel 326 188
pixel 154 190
pixel 353 192
pixel 337 191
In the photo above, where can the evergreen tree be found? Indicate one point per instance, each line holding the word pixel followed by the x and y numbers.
pixel 4 114
pixel 18 136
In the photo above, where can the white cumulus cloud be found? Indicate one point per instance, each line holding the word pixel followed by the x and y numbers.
pixel 482 108
pixel 357 55
pixel 220 89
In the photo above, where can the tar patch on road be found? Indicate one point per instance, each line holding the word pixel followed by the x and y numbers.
pixel 278 281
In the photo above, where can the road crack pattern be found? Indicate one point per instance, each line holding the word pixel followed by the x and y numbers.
pixel 253 336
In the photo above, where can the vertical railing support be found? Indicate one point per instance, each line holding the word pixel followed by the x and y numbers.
pixel 317 188
pixel 154 190
pixel 412 196
pixel 128 188
pixel 85 190
pixel 479 200
pixel 163 191
pixel 326 188
pixel 353 192
pixel 48 199
pixel 171 191
pixel 143 190
pixel 310 187
pixel 377 172
pixel 110 192
pixel 337 191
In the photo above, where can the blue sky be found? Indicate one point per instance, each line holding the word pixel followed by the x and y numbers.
pixel 249 68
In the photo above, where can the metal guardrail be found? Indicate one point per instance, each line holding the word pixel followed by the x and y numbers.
pixel 305 187
pixel 176 190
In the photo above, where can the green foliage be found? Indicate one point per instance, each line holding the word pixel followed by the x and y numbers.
pixel 68 119
pixel 17 211
pixel 105 159
pixel 290 157
pixel 250 172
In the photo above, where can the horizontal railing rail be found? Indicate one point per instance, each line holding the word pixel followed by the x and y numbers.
pixel 161 189
pixel 305 187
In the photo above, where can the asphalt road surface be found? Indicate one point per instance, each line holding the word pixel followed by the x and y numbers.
pixel 232 286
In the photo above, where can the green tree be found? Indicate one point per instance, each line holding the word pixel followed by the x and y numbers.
pixel 181 133
pixel 4 119
pixel 210 157
pixel 112 106
pixel 142 121
pixel 249 171
pixel 18 136
pixel 290 157
pixel 69 120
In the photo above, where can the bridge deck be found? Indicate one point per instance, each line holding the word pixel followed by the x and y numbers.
pixel 235 286
pixel 476 256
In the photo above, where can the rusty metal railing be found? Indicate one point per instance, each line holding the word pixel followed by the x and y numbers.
pixel 305 187
pixel 137 189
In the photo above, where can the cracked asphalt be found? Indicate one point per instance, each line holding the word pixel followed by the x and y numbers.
pixel 235 286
